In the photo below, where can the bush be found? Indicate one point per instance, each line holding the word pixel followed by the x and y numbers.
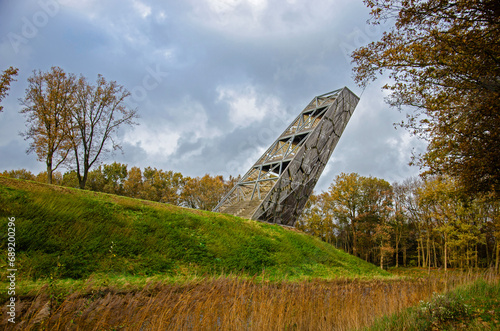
pixel 443 308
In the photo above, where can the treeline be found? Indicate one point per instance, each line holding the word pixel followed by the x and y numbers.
pixel 149 184
pixel 424 223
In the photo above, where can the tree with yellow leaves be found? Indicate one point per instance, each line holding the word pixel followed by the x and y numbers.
pixel 5 79
pixel 443 58
pixel 203 193
pixel 48 105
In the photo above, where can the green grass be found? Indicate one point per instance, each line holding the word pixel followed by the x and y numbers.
pixel 64 233
pixel 474 306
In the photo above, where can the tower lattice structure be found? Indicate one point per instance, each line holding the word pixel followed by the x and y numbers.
pixel 276 188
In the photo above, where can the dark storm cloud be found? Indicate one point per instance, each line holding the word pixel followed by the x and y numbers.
pixel 215 81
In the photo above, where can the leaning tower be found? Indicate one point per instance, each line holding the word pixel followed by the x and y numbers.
pixel 277 186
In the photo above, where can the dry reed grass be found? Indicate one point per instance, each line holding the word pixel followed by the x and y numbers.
pixel 232 303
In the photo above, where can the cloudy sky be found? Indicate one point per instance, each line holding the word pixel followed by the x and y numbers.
pixel 214 81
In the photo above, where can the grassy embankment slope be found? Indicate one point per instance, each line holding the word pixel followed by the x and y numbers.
pixel 69 233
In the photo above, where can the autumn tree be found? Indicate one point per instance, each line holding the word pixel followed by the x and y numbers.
pixel 5 79
pixel 456 223
pixel 317 218
pixel 108 178
pixel 443 58
pixel 159 185
pixel 375 209
pixel 133 185
pixel 48 105
pixel 354 214
pixel 492 213
pixel 57 177
pixel 409 203
pixel 344 200
pixel 70 179
pixel 487 208
pixel 115 175
pixel 98 113
pixel 96 180
pixel 203 193
pixel 19 174
pixel 400 220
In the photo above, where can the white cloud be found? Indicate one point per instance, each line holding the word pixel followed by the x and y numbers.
pixel 192 121
pixel 161 16
pixel 93 7
pixel 222 6
pixel 247 106
pixel 229 7
pixel 142 9
pixel 154 140
pixel 88 8
pixel 164 54
pixel 264 18
pixel 187 121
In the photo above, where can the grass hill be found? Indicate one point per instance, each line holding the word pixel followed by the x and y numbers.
pixel 70 233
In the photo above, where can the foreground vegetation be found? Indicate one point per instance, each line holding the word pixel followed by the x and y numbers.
pixel 239 303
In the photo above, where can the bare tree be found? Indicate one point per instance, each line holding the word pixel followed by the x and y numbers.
pixel 99 112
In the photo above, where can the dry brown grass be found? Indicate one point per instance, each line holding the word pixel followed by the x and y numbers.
pixel 231 303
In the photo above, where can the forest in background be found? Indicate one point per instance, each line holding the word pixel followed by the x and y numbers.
pixel 427 222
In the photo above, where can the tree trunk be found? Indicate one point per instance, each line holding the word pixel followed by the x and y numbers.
pixel 354 238
pixel 397 253
pixel 445 255
pixel 476 258
pixel 49 172
pixel 424 256
pixel 381 258
pixel 497 259
pixel 488 258
pixel 428 257
pixel 418 251
pixel 404 255
pixel 435 255
pixel 82 180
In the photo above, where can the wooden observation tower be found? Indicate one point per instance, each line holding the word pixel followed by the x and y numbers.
pixel 278 185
